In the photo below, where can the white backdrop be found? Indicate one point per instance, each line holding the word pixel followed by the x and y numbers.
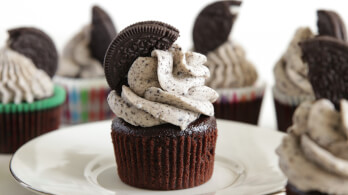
pixel 264 27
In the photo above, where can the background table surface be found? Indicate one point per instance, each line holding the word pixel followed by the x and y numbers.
pixel 263 28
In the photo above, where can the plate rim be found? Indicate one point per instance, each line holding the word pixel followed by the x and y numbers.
pixel 33 189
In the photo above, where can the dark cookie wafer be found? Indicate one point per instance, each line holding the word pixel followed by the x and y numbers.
pixel 327 59
pixel 102 33
pixel 139 39
pixel 331 24
pixel 213 26
pixel 36 45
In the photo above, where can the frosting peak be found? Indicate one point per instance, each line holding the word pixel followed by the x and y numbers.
pixel 291 71
pixel 314 154
pixel 20 80
pixel 229 67
pixel 77 60
pixel 165 88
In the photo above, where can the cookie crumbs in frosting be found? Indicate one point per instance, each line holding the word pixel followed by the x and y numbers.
pixel 165 88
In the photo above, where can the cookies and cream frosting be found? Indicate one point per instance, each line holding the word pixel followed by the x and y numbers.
pixel 291 71
pixel 229 67
pixel 165 88
pixel 77 61
pixel 20 80
pixel 314 154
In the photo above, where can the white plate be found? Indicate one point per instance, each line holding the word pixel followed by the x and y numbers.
pixel 80 160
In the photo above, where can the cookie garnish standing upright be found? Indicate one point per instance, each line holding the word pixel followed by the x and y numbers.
pixel 137 40
pixel 36 45
pixel 327 59
pixel 330 24
pixel 213 26
pixel 102 33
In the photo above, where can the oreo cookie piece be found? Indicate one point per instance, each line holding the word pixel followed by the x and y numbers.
pixel 102 33
pixel 213 26
pixel 327 59
pixel 139 39
pixel 36 45
pixel 330 24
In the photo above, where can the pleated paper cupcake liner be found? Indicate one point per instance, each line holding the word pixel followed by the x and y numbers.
pixel 165 163
pixel 20 123
pixel 85 100
pixel 285 107
pixel 240 104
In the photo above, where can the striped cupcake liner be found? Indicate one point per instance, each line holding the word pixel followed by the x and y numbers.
pixel 285 107
pixel 240 104
pixel 165 163
pixel 85 100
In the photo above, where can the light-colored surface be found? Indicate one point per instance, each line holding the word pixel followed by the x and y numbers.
pixel 80 160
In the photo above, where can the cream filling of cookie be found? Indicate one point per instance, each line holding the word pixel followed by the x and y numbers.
pixel 314 154
pixel 77 61
pixel 165 88
pixel 20 80
pixel 291 71
pixel 229 67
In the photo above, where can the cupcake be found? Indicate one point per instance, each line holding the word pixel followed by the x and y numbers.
pixel 314 154
pixel 292 86
pixel 30 104
pixel 81 71
pixel 233 76
pixel 165 131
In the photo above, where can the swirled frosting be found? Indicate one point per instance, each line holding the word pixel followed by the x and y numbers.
pixel 76 60
pixel 165 88
pixel 314 155
pixel 20 80
pixel 229 67
pixel 291 71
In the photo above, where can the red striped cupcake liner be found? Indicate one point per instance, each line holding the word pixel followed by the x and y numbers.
pixel 240 104
pixel 165 163
pixel 85 100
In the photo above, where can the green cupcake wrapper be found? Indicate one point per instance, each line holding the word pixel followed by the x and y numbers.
pixel 57 99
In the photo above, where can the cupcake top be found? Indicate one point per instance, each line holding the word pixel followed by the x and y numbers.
pixel 291 72
pixel 314 154
pixel 26 63
pixel 227 61
pixel 163 84
pixel 83 55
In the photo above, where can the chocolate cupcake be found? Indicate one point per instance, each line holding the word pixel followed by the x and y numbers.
pixel 30 104
pixel 165 132
pixel 314 154
pixel 292 86
pixel 81 71
pixel 233 76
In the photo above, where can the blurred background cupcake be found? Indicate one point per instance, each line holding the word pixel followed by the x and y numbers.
pixel 231 74
pixel 30 103
pixel 81 72
pixel 292 86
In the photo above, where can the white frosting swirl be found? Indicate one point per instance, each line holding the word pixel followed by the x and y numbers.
pixel 20 80
pixel 76 60
pixel 291 71
pixel 314 155
pixel 229 67
pixel 165 88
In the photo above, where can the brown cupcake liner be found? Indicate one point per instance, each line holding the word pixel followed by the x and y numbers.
pixel 165 163
pixel 284 113
pixel 19 127
pixel 247 111
pixel 292 190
